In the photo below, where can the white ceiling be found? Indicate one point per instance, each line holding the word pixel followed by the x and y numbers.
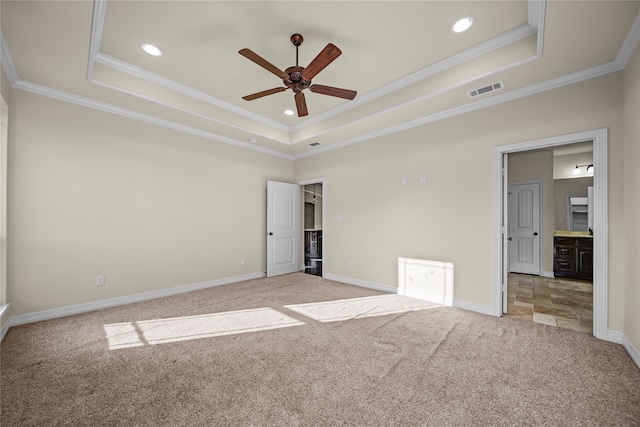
pixel 400 56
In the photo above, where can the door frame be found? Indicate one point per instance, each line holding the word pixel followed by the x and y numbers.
pixel 324 220
pixel 541 228
pixel 599 138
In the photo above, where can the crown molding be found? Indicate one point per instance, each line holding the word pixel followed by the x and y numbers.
pixel 630 44
pixel 534 89
pixel 535 12
pixel 183 110
pixel 6 62
pixel 97 27
pixel 159 80
pixel 446 64
pixel 422 97
pixel 135 115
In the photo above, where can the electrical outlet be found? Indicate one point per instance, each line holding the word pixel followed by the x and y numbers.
pixel 99 280
pixel 423 177
pixel 349 264
pixel 243 261
pixel 404 179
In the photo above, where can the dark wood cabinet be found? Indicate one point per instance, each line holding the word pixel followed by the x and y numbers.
pixel 573 257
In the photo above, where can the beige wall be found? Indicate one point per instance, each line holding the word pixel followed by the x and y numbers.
pixel 450 218
pixel 149 208
pixel 93 193
pixel 631 191
pixel 538 166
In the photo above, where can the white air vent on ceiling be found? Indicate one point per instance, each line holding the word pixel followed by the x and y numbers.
pixel 486 89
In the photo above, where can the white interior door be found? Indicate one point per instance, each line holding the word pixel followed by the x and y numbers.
pixel 524 228
pixel 283 228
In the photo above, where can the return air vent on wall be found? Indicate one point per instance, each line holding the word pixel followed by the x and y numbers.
pixel 486 89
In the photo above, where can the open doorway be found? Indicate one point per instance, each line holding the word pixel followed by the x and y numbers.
pixel 599 239
pixel 550 278
pixel 313 197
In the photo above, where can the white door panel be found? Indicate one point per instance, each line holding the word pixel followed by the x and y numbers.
pixel 524 228
pixel 283 228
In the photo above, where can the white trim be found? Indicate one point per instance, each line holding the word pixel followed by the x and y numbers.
pixel 426 296
pixel 184 110
pixel 472 306
pixel 534 89
pixel 629 45
pixel 4 330
pixel 465 305
pixel 7 62
pixel 633 352
pixel 135 115
pixel 601 232
pixel 4 308
pixel 548 274
pixel 535 12
pixel 159 80
pixel 97 27
pixel 112 302
pixel 424 96
pixel 455 60
pixel 362 283
pixel 614 336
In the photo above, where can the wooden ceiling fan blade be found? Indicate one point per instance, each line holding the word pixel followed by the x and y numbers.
pixel 252 56
pixel 264 93
pixel 324 58
pixel 333 91
pixel 301 104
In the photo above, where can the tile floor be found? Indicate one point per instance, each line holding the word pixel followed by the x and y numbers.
pixel 565 303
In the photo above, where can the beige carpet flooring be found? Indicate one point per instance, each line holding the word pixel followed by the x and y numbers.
pixel 298 350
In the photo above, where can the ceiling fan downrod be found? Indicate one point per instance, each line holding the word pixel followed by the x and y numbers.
pixel 297 40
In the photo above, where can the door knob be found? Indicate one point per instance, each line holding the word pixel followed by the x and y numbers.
pixel 510 239
pixel 270 234
pixel 535 233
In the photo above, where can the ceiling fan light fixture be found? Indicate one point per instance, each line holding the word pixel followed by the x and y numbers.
pixel 462 24
pixel 151 49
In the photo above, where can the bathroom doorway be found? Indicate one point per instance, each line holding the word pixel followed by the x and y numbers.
pixel 599 249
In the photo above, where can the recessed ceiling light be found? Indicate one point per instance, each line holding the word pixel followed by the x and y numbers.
pixel 462 25
pixel 289 112
pixel 151 49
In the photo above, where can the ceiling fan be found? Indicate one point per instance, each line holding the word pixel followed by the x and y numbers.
pixel 299 78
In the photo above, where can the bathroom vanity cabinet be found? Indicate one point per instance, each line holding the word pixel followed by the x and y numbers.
pixel 573 257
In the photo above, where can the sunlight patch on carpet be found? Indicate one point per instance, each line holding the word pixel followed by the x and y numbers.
pixel 160 331
pixel 334 311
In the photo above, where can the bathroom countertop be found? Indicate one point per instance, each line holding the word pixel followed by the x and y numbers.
pixel 579 234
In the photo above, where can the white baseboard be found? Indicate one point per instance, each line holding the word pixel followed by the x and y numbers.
pixel 4 330
pixel 614 336
pixel 465 305
pixel 112 302
pixel 361 283
pixel 633 352
pixel 472 306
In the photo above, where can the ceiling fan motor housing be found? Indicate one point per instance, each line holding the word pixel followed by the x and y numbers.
pixel 295 80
